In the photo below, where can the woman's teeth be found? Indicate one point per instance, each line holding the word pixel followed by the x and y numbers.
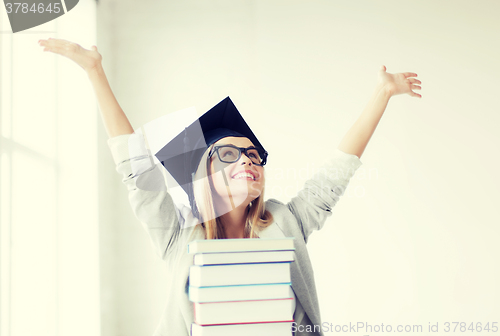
pixel 243 175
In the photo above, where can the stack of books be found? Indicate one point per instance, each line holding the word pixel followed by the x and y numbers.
pixel 241 287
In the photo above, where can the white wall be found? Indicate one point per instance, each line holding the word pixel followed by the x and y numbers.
pixel 414 242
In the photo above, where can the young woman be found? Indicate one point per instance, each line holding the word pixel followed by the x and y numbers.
pixel 227 201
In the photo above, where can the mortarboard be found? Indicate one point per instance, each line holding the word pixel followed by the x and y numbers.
pixel 182 155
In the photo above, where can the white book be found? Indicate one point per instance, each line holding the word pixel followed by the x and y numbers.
pixel 244 244
pixel 239 274
pixel 243 257
pixel 252 329
pixel 233 312
pixel 240 293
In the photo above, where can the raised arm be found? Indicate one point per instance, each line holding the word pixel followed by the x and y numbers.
pixel 115 120
pixel 144 180
pixel 356 139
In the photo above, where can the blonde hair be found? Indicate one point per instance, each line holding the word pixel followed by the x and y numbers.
pixel 257 218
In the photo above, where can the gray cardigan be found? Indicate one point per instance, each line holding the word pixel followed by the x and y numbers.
pixel 156 210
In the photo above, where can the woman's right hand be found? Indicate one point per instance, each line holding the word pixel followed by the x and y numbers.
pixel 115 120
pixel 88 59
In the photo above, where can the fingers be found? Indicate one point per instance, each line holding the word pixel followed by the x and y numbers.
pixel 50 44
pixel 61 47
pixel 53 42
pixel 414 81
pixel 53 48
pixel 409 74
pixel 56 50
pixel 415 87
pixel 58 44
pixel 414 94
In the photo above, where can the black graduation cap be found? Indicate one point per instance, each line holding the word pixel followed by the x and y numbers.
pixel 182 155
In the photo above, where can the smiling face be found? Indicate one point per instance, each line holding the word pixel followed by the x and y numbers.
pixel 235 184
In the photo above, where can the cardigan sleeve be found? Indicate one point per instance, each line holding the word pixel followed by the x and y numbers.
pixel 314 203
pixel 147 191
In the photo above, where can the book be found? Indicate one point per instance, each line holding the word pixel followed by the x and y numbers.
pixel 239 274
pixel 241 286
pixel 251 329
pixel 233 312
pixel 235 245
pixel 243 257
pixel 240 293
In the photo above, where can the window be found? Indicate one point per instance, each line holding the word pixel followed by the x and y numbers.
pixel 48 183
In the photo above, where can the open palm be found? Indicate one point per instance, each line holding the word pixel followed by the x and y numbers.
pixel 87 59
pixel 399 83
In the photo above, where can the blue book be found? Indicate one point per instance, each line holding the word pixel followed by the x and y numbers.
pixel 240 293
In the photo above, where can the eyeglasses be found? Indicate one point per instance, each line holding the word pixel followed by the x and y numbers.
pixel 230 154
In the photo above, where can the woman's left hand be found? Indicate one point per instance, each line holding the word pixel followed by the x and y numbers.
pixel 399 83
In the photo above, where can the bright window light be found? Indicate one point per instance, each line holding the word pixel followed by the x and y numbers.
pixel 49 265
